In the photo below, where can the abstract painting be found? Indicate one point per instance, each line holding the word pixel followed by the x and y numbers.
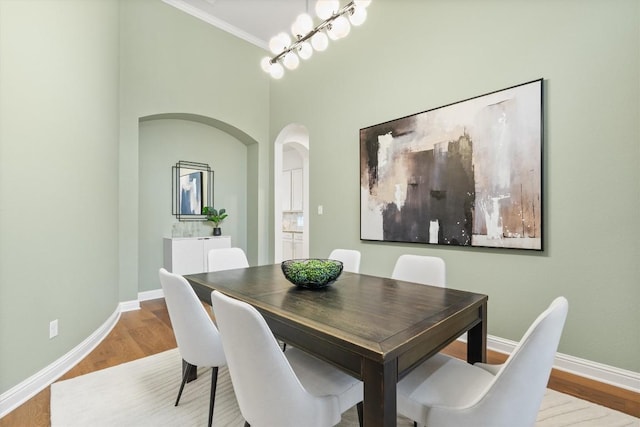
pixel 191 194
pixel 465 174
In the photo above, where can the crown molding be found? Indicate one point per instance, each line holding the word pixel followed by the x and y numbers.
pixel 210 19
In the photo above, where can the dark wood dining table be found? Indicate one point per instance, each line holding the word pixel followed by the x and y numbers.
pixel 374 328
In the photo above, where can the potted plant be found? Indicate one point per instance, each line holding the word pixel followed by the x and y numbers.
pixel 216 216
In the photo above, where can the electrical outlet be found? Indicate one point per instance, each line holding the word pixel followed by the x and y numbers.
pixel 53 328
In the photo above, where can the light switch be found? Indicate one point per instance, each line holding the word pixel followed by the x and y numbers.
pixel 320 210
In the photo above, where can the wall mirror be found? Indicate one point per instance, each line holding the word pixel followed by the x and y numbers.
pixel 192 190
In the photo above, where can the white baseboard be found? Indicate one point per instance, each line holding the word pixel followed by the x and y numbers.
pixel 148 295
pixel 129 306
pixel 28 388
pixel 617 377
pixel 142 296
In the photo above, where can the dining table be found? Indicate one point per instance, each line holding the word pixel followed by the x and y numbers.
pixel 375 328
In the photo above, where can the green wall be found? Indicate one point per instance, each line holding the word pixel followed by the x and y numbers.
pixel 162 144
pixel 58 178
pixel 411 56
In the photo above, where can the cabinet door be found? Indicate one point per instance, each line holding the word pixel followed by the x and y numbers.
pixel 287 246
pixel 286 191
pixel 187 256
pixel 298 251
pixel 296 190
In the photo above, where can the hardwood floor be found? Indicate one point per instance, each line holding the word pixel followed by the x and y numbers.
pixel 148 331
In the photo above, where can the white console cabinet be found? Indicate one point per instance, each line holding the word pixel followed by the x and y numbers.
pixel 188 255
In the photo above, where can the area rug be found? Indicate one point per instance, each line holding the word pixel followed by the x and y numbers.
pixel 142 393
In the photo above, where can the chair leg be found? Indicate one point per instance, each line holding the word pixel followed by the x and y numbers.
pixel 284 346
pixel 184 381
pixel 360 408
pixel 246 424
pixel 212 399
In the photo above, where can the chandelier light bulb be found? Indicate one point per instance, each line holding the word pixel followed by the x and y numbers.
pixel 291 61
pixel 358 16
pixel 279 42
pixel 276 70
pixel 285 40
pixel 305 50
pixel 339 28
pixel 319 41
pixel 265 64
pixel 331 32
pixel 326 8
pixel 274 45
pixel 362 3
pixel 302 25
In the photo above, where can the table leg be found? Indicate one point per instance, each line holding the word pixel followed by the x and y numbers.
pixel 477 339
pixel 380 393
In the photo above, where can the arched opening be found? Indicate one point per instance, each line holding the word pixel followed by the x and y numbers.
pixel 165 139
pixel 291 153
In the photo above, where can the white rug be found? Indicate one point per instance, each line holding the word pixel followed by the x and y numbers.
pixel 142 393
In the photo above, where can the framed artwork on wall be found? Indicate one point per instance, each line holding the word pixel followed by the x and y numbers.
pixel 191 190
pixel 191 193
pixel 465 174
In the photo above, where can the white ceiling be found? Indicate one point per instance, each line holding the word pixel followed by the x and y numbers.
pixel 255 21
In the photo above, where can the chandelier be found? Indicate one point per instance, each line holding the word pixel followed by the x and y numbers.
pixel 336 24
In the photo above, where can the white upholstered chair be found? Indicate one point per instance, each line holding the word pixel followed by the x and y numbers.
pixel 445 391
pixel 198 339
pixel 428 270
pixel 275 388
pixel 350 259
pixel 226 259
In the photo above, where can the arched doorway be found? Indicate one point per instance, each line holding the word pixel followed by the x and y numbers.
pixel 291 162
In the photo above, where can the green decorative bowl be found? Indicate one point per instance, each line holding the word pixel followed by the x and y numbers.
pixel 311 273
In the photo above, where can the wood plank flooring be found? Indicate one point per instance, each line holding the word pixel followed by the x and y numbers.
pixel 148 331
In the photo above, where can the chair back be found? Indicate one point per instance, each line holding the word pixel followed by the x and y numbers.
pixel 350 259
pixel 514 396
pixel 199 341
pixel 427 270
pixel 226 259
pixel 268 391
